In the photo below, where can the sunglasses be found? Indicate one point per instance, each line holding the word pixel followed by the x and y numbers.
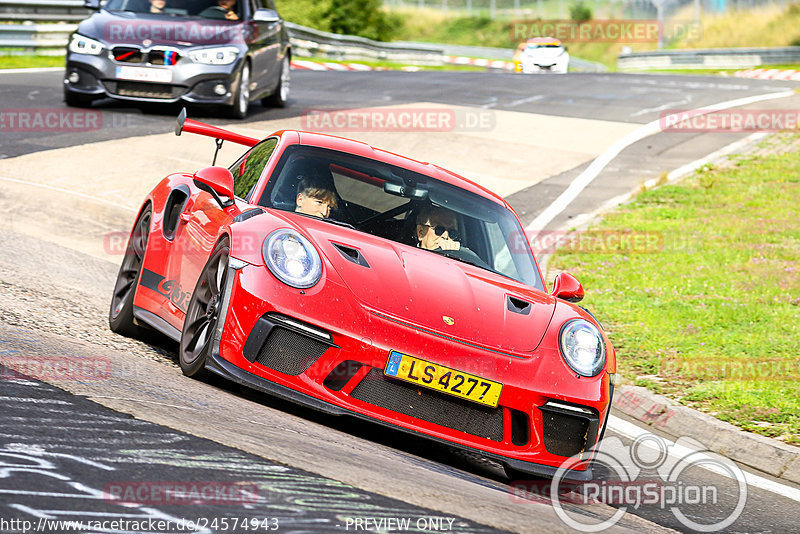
pixel 440 229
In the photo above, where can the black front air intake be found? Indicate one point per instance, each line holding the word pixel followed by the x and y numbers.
pixel 430 406
pixel 288 352
pixel 568 430
pixel 285 344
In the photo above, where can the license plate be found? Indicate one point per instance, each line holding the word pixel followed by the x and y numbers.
pixel 144 74
pixel 441 378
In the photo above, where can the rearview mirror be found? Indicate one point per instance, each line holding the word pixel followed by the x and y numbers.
pixel 218 182
pixel 567 287
pixel 92 4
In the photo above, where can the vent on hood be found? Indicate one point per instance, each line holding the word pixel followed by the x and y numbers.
pixel 519 306
pixel 352 254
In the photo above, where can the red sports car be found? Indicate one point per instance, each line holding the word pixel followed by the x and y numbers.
pixel 408 296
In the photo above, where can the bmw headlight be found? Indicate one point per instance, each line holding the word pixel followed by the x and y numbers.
pixel 83 45
pixel 582 347
pixel 221 55
pixel 292 258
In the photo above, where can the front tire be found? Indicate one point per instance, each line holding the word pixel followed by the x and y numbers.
pixel 241 99
pixel 203 312
pixel 77 100
pixel 280 97
pixel 120 316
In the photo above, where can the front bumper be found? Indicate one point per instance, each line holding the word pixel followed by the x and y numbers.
pixel 321 360
pixel 97 77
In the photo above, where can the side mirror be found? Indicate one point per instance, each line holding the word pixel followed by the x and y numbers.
pixel 218 182
pixel 94 5
pixel 567 287
pixel 265 15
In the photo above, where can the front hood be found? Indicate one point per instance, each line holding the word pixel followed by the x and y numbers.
pixel 425 290
pixel 144 29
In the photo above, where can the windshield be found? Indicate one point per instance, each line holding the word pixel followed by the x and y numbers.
pixel 539 46
pixel 210 9
pixel 390 202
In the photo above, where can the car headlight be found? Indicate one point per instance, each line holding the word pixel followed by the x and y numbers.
pixel 292 258
pixel 83 45
pixel 221 55
pixel 582 347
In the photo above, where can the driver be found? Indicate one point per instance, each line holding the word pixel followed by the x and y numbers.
pixel 314 197
pixel 437 229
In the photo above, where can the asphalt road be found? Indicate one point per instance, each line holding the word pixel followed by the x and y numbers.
pixel 50 292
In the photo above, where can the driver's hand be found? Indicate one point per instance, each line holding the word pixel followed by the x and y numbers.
pixel 449 244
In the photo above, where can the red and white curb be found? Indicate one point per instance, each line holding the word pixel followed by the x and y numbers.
pixel 769 74
pixel 479 62
pixel 301 64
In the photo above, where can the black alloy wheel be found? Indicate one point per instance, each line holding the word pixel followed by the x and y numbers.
pixel 120 316
pixel 203 312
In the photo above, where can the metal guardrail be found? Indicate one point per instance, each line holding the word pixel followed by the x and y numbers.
pixel 720 58
pixel 43 10
pixel 307 42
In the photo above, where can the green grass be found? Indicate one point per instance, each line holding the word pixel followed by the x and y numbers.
pixel 710 316
pixel 29 61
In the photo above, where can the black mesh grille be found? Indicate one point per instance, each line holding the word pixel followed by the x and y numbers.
pixel 430 406
pixel 144 90
pixel 289 352
pixel 341 375
pixel 564 435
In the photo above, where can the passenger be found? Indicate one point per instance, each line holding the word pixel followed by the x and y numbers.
pixel 314 197
pixel 437 229
pixel 157 6
pixel 225 9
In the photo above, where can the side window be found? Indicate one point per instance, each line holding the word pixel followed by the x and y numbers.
pixel 268 4
pixel 247 170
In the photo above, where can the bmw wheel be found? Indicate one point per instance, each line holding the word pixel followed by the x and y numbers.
pixel 77 100
pixel 120 316
pixel 280 97
pixel 242 97
pixel 203 312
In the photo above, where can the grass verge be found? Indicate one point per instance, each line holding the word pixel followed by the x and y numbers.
pixel 706 309
pixel 29 61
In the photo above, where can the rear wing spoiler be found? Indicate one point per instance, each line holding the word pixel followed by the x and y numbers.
pixel 219 134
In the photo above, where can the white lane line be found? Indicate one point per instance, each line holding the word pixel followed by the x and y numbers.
pixel 631 431
pixel 593 171
pixel 28 71
pixel 69 192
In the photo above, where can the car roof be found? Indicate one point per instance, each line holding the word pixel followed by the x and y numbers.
pixel 360 148
pixel 544 40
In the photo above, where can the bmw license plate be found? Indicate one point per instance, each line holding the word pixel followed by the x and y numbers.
pixel 144 74
pixel 441 378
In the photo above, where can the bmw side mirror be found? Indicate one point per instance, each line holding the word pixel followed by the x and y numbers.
pixel 218 182
pixel 94 5
pixel 266 15
pixel 567 287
